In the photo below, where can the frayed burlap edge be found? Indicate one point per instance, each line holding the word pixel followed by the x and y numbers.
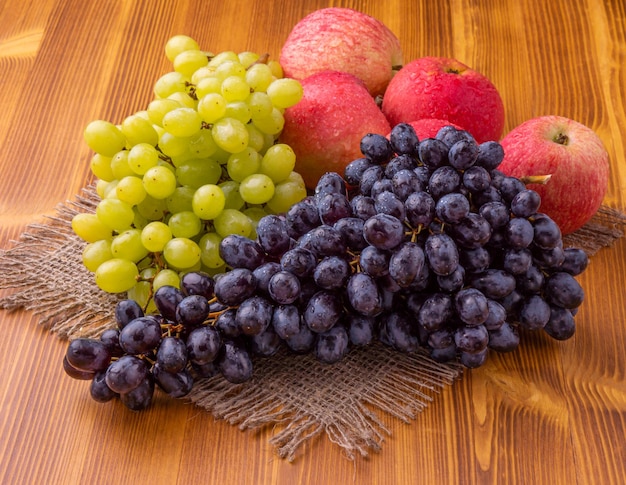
pixel 296 396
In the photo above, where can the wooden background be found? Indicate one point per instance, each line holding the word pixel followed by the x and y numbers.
pixel 549 413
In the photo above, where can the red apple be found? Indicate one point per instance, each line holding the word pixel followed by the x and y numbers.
pixel 575 158
pixel 444 88
pixel 325 128
pixel 342 39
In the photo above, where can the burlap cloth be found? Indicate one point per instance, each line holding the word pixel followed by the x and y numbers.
pixel 296 396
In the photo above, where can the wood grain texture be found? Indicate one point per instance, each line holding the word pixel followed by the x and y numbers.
pixel 550 413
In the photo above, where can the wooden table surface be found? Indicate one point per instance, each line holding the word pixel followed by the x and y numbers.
pixel 549 413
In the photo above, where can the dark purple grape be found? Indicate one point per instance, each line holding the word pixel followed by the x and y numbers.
pixel 126 374
pixel 388 203
pixel 354 170
pixel 561 324
pixel 504 339
pixel 472 360
pixel 140 397
pixel 266 343
pixel 364 295
pixel 475 260
pixel 303 341
pixel 472 231
pixel 111 339
pixel 333 207
pixel 471 306
pixel 175 384
pixel 453 281
pixel 446 354
pixel 463 154
pixel 433 153
pixel 286 321
pixel 172 354
pixel 509 187
pixel 449 134
pixel 575 261
pixel 263 274
pixel 441 339
pixel 363 206
pixel 284 287
pixel 302 217
pixel 490 155
pixel 360 329
pixel 331 273
pixel 380 186
pixel 441 253
pixel 374 261
pixel 493 283
pixel 519 233
pixel 88 354
pixel 325 240
pixel 435 311
pixel 497 315
pixel 192 310
pixel 323 310
pixel 330 183
pixel 203 345
pixel 166 299
pixel 403 139
pixel 74 373
pixel 471 339
pixel 525 203
pixel 534 313
pixel 376 147
pixel 272 235
pixel 241 252
pixel 404 183
pixel 226 323
pixel 549 259
pixel 452 208
pixel 99 390
pixel 562 290
pixel 235 363
pixel 399 163
pixel 406 263
pixel 547 234
pixel 443 180
pixel 476 179
pixel 127 310
pixel 530 282
pixel 369 177
pixel 351 230
pixel 140 336
pixel 420 209
pixel 332 345
pixel 254 315
pixel 495 213
pixel 235 286
pixel 298 261
pixel 197 283
pixel 398 328
pixel 517 261
pixel 383 231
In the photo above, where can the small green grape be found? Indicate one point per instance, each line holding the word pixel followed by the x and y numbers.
pixel 155 235
pixel 256 189
pixel 116 275
pixel 104 137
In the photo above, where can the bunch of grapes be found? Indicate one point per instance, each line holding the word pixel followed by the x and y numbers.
pixel 420 245
pixel 199 163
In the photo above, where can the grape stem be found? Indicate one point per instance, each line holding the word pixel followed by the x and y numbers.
pixel 536 179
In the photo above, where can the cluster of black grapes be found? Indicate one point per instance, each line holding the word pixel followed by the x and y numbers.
pixel 420 244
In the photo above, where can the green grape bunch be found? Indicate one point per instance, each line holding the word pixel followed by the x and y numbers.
pixel 201 162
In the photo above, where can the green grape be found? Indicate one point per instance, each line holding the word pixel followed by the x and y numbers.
pixel 139 221
pixel 101 186
pixel 182 122
pixel 119 165
pixel 202 145
pixel 189 61
pixel 238 110
pixel 116 275
pixel 184 99
pixel 185 224
pixel 254 214
pixel 181 253
pixel 232 221
pixel 235 88
pixel 230 135
pixel 222 57
pixel 128 245
pixel 142 157
pixel 243 164
pixel 115 214
pixel 109 190
pixel 256 189
pixel 130 190
pixel 260 104
pixel 230 68
pixel 196 173
pixel 179 43
pixel 159 182
pixel 90 228
pixel 276 69
pixel 285 92
pixel 173 146
pixel 101 167
pixel 202 73
pixel 166 277
pixel 285 195
pixel 212 107
pixel 180 200
pixel 158 107
pixel 278 162
pixel 231 193
pixel 272 124
pixel 259 77
pixel 155 235
pixel 104 137
pixel 248 58
pixel 208 85
pixel 152 209
pixel 137 129
pixel 210 250
pixel 208 201
pixel 256 139
pixel 169 83
pixel 96 253
pixel 142 294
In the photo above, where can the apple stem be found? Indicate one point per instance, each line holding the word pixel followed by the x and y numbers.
pixel 535 179
pixel 397 67
pixel 561 139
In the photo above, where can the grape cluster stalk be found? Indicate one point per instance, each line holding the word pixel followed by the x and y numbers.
pixel 420 244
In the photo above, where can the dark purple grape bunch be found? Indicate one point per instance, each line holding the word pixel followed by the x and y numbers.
pixel 491 264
